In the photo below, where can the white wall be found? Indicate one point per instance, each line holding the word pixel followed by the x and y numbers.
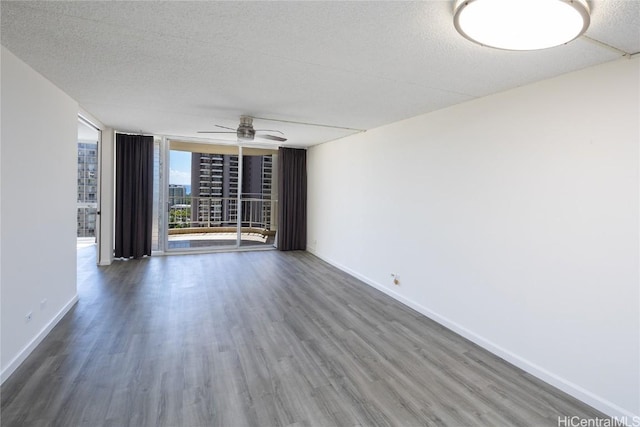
pixel 38 185
pixel 512 219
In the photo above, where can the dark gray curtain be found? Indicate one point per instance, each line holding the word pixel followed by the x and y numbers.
pixel 292 193
pixel 134 195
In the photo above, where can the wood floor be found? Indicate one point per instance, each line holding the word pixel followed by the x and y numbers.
pixel 261 339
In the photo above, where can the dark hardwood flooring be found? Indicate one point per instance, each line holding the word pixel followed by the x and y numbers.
pixel 261 339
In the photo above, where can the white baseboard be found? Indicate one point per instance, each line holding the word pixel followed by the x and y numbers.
pixel 22 356
pixel 591 399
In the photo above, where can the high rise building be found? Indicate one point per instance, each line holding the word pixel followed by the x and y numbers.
pixel 207 171
pixel 87 188
pixel 268 191
pixel 257 182
pixel 214 190
pixel 178 195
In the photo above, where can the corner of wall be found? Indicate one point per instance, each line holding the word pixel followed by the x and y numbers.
pixel 26 351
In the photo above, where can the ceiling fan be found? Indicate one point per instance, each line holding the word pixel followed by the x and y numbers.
pixel 246 132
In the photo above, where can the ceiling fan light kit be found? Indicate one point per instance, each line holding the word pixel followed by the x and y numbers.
pixel 521 24
pixel 245 130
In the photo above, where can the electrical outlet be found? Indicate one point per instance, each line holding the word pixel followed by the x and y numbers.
pixel 43 304
pixel 28 317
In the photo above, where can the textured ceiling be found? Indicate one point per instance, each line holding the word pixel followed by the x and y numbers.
pixel 173 68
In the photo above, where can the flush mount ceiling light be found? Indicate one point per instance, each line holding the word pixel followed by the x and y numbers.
pixel 521 24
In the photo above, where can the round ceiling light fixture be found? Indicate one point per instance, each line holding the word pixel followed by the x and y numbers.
pixel 521 24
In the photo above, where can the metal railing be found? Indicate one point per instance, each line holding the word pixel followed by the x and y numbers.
pixel 212 212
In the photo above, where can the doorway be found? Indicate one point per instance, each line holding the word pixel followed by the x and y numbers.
pixel 88 184
pixel 220 197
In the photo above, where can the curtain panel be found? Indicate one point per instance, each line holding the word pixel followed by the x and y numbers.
pixel 134 195
pixel 292 192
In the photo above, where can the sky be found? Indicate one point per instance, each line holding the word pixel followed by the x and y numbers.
pixel 179 167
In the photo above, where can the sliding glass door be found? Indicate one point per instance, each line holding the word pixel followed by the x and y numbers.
pixel 202 196
pixel 88 217
pixel 220 196
pixel 259 197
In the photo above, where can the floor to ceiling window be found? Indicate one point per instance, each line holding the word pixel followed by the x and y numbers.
pixel 219 197
pixel 259 198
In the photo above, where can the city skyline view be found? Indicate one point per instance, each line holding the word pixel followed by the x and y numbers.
pixel 225 191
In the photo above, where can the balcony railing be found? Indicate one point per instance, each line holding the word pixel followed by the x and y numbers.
pixel 212 214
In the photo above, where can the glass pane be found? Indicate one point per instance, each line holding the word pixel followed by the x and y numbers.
pixel 87 201
pixel 259 199
pixel 202 197
pixel 87 222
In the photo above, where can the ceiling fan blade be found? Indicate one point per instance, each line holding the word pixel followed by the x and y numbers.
pixel 224 127
pixel 272 138
pixel 270 130
pixel 309 124
pixel 214 131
